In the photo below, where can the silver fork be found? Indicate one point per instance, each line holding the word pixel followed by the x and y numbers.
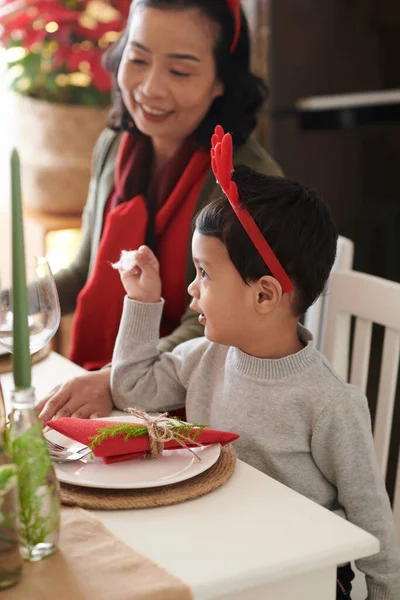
pixel 55 447
pixel 61 453
pixel 68 456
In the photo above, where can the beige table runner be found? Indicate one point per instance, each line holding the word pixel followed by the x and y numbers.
pixel 93 564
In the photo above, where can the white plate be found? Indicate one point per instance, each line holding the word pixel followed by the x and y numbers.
pixel 171 467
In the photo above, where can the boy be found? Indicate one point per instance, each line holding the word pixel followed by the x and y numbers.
pixel 256 371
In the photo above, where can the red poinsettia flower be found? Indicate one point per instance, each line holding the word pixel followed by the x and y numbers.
pixel 92 59
pixel 28 20
pixel 33 24
pixel 100 17
pixel 21 14
pixel 96 33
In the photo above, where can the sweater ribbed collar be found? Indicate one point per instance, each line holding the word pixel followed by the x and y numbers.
pixel 276 368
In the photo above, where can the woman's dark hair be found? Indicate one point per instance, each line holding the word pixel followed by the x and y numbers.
pixel 296 223
pixel 244 92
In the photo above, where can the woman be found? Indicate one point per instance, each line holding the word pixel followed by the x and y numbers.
pixel 181 67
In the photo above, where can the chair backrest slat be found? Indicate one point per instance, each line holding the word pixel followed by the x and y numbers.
pixel 360 354
pixel 396 499
pixel 337 329
pixel 386 396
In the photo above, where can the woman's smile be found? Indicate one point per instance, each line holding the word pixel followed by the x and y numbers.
pixel 153 114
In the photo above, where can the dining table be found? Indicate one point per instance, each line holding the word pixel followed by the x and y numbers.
pixel 251 539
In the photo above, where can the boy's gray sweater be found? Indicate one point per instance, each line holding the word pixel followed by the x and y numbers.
pixel 298 422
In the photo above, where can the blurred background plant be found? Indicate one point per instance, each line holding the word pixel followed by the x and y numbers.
pixel 53 48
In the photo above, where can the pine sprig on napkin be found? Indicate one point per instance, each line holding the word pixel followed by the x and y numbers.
pixel 125 430
pixel 182 430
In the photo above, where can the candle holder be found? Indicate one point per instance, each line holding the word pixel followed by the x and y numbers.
pixel 39 504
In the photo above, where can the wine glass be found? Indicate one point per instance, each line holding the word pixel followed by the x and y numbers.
pixel 43 307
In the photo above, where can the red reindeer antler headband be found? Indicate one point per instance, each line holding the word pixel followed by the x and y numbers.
pixel 234 6
pixel 222 166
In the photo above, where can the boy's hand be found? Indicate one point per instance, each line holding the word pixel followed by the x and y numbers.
pixel 143 283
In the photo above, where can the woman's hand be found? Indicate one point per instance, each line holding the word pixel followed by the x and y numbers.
pixel 143 283
pixel 86 396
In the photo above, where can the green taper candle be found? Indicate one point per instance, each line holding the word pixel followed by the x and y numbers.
pixel 21 355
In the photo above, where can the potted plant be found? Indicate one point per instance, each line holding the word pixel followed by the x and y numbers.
pixel 61 92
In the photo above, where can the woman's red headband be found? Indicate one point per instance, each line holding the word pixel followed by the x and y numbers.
pixel 222 166
pixel 234 6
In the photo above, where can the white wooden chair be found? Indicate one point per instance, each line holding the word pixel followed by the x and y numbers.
pixel 371 300
pixel 314 319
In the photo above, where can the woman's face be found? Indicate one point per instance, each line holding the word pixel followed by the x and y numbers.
pixel 167 74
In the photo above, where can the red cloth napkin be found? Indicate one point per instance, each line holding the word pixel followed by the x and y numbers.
pixel 116 449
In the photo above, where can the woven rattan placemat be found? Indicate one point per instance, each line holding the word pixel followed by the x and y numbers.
pixel 202 484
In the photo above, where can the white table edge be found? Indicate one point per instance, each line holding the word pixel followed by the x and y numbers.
pixel 257 577
pixel 363 544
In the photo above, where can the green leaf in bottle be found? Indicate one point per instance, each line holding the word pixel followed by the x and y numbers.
pixel 39 514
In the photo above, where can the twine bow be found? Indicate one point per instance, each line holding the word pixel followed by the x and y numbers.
pixel 162 429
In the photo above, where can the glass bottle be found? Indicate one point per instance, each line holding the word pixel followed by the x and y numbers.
pixel 10 558
pixel 39 504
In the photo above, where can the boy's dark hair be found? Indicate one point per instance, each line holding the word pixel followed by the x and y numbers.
pixel 244 92
pixel 295 222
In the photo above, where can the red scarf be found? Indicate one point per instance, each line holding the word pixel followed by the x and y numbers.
pixel 176 192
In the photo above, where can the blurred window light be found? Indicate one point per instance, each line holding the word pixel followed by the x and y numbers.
pixel 61 247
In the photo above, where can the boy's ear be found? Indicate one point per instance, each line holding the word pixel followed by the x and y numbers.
pixel 268 294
